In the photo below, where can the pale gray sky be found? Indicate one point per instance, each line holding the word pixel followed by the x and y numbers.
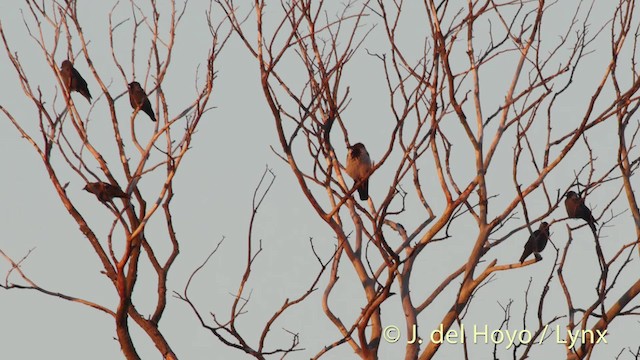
pixel 213 200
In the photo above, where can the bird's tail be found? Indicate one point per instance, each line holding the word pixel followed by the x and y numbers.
pixel 592 225
pixel 86 94
pixel 363 190
pixel 523 257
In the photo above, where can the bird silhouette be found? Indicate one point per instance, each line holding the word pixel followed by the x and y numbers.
pixel 73 80
pixel 536 243
pixel 105 191
pixel 576 209
pixel 139 100
pixel 358 167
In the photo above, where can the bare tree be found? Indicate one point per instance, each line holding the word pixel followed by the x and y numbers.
pixel 475 150
pixel 68 142
pixel 476 97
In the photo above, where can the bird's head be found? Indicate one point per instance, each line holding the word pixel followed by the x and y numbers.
pixel 571 195
pixel 356 149
pixel 544 225
pixel 66 65
pixel 134 85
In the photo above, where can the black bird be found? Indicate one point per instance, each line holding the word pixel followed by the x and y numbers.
pixel 105 191
pixel 358 167
pixel 73 80
pixel 139 100
pixel 536 243
pixel 576 209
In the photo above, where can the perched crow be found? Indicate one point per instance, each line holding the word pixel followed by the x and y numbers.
pixel 139 100
pixel 105 191
pixel 73 80
pixel 576 209
pixel 358 167
pixel 536 243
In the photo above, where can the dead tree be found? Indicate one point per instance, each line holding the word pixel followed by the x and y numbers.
pixel 471 150
pixel 68 140
pixel 468 86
